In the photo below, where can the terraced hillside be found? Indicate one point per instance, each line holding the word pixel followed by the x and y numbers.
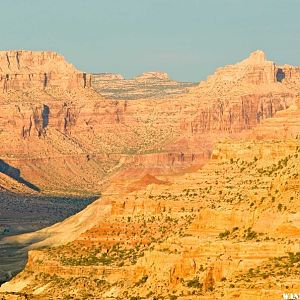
pixel 229 230
pixel 200 193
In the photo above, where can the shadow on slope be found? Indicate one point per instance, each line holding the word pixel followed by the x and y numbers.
pixel 15 173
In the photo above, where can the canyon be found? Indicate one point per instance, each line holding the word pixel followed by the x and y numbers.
pixel 71 140
pixel 199 185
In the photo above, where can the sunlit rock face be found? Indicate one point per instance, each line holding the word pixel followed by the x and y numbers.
pixel 238 97
pixel 53 121
pixel 200 190
pixel 33 69
pixel 58 117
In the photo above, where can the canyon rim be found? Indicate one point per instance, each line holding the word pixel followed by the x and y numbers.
pixel 129 183
pixel 189 181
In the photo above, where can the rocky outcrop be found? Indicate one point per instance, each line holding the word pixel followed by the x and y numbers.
pixel 253 70
pixel 37 120
pixel 248 75
pixel 256 69
pixel 21 70
pixel 238 97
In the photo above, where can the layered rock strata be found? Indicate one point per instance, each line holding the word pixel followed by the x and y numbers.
pixel 20 70
pixel 203 233
pixel 71 135
pixel 200 235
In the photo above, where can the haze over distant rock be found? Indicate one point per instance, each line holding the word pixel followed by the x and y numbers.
pixel 149 85
pixel 153 76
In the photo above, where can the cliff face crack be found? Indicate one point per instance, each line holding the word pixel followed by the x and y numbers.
pixel 26 131
pixel 5 85
pixel 84 80
pixel 18 60
pixel 45 80
pixel 8 61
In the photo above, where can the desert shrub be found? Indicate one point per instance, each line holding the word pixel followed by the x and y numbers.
pixel 194 283
pixel 250 234
pixel 224 234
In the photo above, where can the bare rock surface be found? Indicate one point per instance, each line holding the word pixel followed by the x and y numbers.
pixel 38 69
pixel 200 191
pixel 68 139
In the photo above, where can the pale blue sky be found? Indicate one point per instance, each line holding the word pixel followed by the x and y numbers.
pixel 186 38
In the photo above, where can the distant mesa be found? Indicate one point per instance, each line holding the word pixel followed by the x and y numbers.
pixel 153 76
pixel 149 85
pixel 32 62
pixel 108 76
pixel 143 76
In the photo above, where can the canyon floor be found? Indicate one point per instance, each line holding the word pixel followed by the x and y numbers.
pixel 26 213
pixel 199 188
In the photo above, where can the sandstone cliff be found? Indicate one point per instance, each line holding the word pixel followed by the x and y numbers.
pixel 205 234
pixel 240 96
pixel 20 70
pixel 229 229
pixel 69 136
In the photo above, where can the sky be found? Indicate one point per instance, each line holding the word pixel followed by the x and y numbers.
pixel 188 39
